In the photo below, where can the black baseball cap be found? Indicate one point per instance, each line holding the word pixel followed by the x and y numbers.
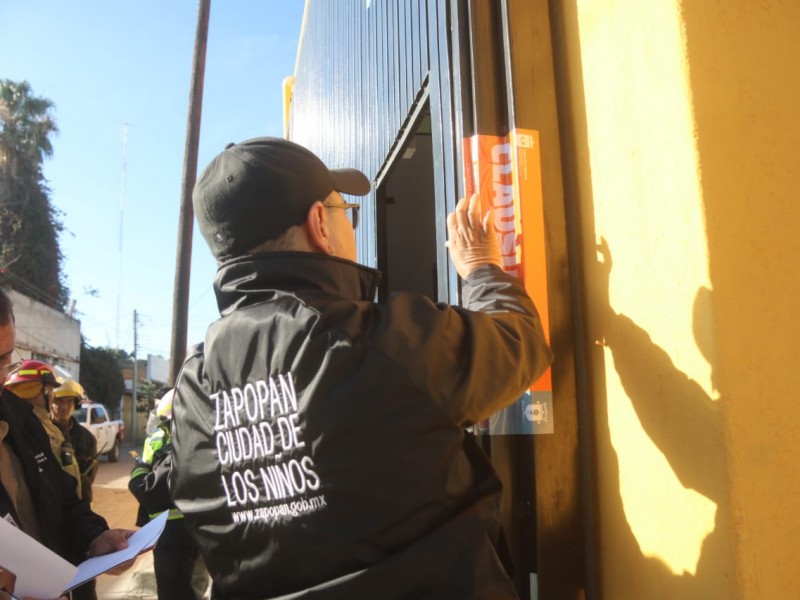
pixel 255 190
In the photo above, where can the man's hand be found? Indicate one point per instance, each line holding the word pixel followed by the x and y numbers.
pixel 7 582
pixel 111 541
pixel 471 240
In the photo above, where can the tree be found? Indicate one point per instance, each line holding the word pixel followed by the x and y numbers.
pixel 146 395
pixel 101 377
pixel 30 254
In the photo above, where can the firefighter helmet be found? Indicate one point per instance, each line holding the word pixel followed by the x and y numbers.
pixel 71 389
pixel 26 381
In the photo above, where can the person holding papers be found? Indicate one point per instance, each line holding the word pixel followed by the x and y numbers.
pixel 36 495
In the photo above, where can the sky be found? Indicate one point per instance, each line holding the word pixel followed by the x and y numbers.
pixel 108 63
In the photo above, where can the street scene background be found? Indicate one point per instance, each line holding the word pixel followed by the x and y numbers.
pixel 113 501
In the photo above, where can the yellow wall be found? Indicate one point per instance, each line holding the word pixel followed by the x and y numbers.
pixel 685 118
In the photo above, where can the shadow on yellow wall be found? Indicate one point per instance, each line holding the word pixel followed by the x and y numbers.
pixel 676 413
pixel 746 95
pixel 687 427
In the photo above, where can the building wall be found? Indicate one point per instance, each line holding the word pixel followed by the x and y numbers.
pixel 153 370
pixel 363 68
pixel 678 125
pixel 683 126
pixel 47 334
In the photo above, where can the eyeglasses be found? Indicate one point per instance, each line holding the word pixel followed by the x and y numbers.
pixel 353 211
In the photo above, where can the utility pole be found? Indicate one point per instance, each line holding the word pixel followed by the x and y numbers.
pixel 180 307
pixel 134 407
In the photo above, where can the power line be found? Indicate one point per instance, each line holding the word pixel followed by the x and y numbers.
pixel 29 289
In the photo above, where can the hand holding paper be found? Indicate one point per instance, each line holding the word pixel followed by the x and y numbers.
pixel 23 556
pixel 110 541
pixel 8 583
pixel 7 580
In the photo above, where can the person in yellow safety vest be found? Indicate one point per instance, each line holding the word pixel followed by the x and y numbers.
pixel 176 556
pixel 35 382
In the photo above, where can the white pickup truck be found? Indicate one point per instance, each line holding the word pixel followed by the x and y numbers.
pixel 96 418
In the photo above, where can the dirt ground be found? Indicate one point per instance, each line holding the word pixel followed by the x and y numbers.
pixel 113 501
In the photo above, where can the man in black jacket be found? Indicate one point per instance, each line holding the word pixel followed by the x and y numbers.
pixel 319 438
pixel 36 494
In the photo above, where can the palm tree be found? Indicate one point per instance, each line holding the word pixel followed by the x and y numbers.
pixel 30 256
pixel 25 127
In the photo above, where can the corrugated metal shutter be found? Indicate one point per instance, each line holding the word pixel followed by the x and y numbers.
pixel 362 66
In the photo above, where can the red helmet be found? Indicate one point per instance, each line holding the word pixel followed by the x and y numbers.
pixel 33 370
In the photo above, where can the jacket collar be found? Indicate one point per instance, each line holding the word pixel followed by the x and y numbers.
pixel 249 279
pixel 14 409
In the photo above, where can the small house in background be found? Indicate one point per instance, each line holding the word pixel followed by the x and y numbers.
pixel 47 334
pixel 151 375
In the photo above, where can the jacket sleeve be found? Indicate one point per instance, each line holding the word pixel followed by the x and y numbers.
pixel 475 360
pixel 136 482
pixel 83 525
pixel 85 451
pixel 153 490
pixel 148 481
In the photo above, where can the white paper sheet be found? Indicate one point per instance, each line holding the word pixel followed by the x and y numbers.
pixel 40 572
pixel 29 560
pixel 139 542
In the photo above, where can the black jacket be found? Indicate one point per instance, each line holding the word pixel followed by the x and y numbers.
pixel 67 524
pixel 84 445
pixel 319 440
pixel 149 478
